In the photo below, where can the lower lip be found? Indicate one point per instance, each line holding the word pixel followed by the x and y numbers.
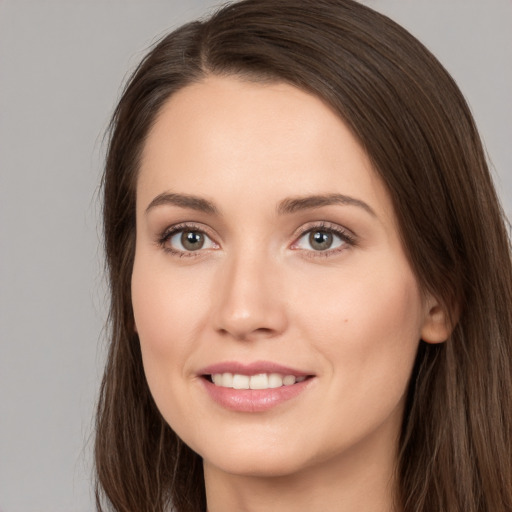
pixel 253 400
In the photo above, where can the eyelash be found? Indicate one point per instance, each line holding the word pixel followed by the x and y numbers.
pixel 348 239
pixel 173 230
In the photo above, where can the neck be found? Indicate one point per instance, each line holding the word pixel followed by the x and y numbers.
pixel 362 480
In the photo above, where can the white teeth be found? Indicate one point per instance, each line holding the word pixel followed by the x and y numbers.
pixel 217 379
pixel 289 380
pixel 241 381
pixel 275 380
pixel 227 380
pixel 259 381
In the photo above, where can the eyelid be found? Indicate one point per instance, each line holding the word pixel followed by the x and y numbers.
pixel 346 235
pixel 164 236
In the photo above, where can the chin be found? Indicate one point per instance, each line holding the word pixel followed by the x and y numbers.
pixel 252 460
pixel 261 466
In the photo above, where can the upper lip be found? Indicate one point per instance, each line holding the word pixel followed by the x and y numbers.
pixel 253 368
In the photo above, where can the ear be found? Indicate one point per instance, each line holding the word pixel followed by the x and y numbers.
pixel 437 323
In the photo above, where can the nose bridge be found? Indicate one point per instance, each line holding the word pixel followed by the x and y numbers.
pixel 249 302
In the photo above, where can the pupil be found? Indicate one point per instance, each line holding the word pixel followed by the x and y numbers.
pixel 320 240
pixel 192 241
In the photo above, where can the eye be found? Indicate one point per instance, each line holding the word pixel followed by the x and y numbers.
pixel 324 239
pixel 319 240
pixel 182 240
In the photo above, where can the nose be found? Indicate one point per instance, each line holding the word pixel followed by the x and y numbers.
pixel 249 300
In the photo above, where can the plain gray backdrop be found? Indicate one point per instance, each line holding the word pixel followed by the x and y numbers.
pixel 61 67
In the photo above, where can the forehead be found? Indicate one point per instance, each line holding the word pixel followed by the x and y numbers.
pixel 225 136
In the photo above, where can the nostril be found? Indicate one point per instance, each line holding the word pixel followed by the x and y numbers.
pixel 249 334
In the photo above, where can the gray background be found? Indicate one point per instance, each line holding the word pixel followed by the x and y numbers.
pixel 61 66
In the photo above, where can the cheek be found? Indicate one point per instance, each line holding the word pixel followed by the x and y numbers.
pixel 384 297
pixel 169 312
pixel 366 324
pixel 366 330
pixel 168 308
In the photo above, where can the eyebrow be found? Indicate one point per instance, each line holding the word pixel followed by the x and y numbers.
pixel 285 207
pixel 295 204
pixel 184 201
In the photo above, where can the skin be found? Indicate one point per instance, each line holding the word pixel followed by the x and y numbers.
pixel 258 290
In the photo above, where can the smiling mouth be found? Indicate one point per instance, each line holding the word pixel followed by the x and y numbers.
pixel 258 381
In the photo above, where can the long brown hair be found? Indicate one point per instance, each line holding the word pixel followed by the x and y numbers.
pixel 455 450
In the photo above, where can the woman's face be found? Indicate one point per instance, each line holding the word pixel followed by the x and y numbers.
pixel 268 257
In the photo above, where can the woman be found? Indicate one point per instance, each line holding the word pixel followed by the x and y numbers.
pixel 310 275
